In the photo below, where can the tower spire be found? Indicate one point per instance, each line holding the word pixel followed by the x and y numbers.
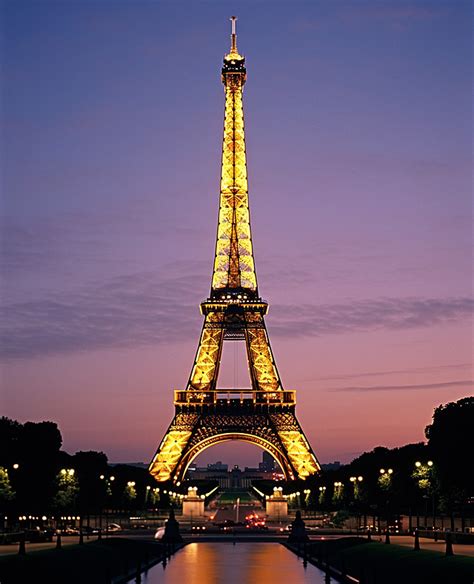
pixel 234 267
pixel 233 37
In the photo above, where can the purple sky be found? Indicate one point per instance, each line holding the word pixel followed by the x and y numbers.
pixel 358 125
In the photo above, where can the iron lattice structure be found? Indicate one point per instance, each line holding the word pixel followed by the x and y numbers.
pixel 265 414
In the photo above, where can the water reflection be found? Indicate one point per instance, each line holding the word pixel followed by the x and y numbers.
pixel 243 563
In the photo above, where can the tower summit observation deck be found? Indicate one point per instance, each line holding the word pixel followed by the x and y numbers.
pixel 263 415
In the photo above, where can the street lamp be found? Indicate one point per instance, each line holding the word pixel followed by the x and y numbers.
pixel 322 492
pixel 130 493
pixel 385 478
pixel 356 485
pixel 385 482
pixel 337 494
pixel 307 493
pixel 108 493
pixel 356 482
pixel 423 474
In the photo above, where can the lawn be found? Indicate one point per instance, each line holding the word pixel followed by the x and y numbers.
pixel 377 563
pixel 230 497
pixel 94 562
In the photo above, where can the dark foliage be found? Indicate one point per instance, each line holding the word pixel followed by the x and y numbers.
pixel 450 438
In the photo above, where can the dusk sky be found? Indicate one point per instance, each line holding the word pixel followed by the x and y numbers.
pixel 358 128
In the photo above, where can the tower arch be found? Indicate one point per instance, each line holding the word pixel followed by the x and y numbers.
pixel 206 443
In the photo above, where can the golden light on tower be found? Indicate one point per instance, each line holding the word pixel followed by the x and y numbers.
pixel 265 414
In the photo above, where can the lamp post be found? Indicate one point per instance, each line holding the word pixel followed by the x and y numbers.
pixel 423 473
pixel 385 482
pixel 155 496
pixel 322 493
pixel 307 493
pixel 67 490
pixel 130 493
pixel 356 483
pixel 108 493
pixel 338 490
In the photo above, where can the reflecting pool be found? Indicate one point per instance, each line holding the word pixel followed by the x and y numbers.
pixel 242 563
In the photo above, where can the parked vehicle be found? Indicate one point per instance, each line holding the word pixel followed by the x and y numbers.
pixel 69 530
pixel 38 534
pixel 227 524
pixel 255 522
pixel 89 530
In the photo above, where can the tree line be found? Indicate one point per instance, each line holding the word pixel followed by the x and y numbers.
pixel 423 479
pixel 37 477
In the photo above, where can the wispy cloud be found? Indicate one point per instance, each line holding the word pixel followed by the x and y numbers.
pixel 416 387
pixel 434 369
pixel 368 315
pixel 80 238
pixel 133 310
pixel 41 244
pixel 156 307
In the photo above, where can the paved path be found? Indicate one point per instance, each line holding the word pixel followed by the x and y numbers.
pixel 32 547
pixel 436 546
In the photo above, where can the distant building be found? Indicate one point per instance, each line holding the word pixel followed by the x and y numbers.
pixel 336 465
pixel 135 464
pixel 234 478
pixel 218 466
pixel 268 464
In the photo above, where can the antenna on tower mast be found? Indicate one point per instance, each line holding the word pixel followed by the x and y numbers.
pixel 233 46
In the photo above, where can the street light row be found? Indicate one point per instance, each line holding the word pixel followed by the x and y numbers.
pixel 382 471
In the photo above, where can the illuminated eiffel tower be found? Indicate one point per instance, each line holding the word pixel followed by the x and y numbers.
pixel 265 414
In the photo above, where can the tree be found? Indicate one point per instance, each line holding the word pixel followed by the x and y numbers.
pixel 68 488
pixel 90 467
pixel 39 448
pixel 7 494
pixel 30 452
pixel 450 440
pixel 10 431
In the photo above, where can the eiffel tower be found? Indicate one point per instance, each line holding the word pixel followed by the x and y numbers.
pixel 265 414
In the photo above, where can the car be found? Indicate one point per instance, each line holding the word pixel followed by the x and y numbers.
pixel 257 527
pixel 38 534
pixel 69 530
pixel 89 530
pixel 113 527
pixel 255 523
